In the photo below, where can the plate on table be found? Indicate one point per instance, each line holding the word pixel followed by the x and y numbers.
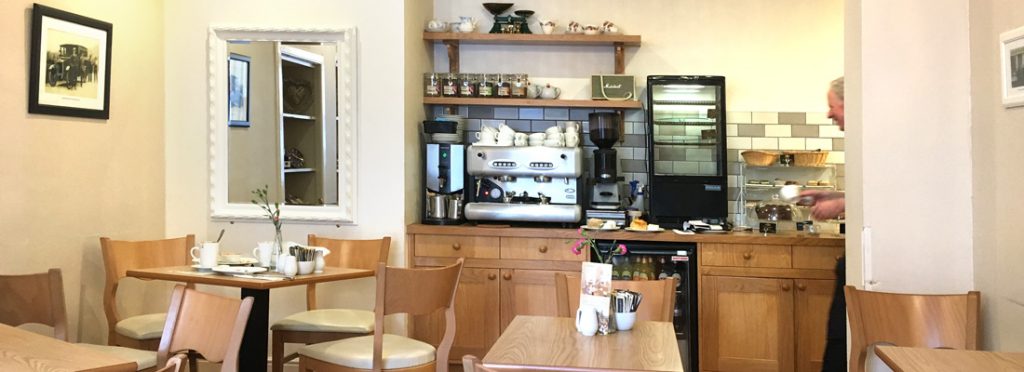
pixel 202 269
pixel 602 228
pixel 233 261
pixel 224 269
pixel 644 230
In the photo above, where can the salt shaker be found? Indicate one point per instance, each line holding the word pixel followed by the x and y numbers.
pixel 318 262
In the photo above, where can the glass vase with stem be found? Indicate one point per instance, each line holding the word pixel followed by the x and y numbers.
pixel 274 214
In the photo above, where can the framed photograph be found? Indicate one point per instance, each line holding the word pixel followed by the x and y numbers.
pixel 1012 57
pixel 69 71
pixel 238 90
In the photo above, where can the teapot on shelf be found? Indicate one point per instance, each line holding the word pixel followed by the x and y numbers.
pixel 550 92
pixel 436 25
pixel 467 24
pixel 548 26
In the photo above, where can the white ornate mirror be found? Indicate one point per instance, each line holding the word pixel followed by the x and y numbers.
pixel 283 114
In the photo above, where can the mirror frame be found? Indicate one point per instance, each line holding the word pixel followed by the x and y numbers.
pixel 344 40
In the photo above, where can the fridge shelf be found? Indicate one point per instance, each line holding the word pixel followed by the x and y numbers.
pixel 686 102
pixel 686 143
pixel 697 122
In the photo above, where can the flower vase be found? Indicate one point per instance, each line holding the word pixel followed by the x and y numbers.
pixel 278 250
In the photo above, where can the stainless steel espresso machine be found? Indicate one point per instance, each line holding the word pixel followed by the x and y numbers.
pixel 444 176
pixel 524 184
pixel 606 185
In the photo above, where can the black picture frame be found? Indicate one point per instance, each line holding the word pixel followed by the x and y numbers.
pixel 69 71
pixel 238 90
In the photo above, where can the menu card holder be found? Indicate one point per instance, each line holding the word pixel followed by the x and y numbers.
pixel 595 292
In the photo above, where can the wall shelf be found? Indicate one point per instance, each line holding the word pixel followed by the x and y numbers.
pixel 514 102
pixel 298 116
pixel 537 39
pixel 299 170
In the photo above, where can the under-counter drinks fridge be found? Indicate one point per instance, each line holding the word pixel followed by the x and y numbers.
pixel 686 149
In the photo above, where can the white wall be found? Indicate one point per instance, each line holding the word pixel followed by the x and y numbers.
pixel 998 136
pixel 909 132
pixel 777 55
pixel 382 119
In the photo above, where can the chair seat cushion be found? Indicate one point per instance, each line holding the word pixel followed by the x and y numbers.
pixel 142 327
pixel 328 320
pixel 357 352
pixel 144 358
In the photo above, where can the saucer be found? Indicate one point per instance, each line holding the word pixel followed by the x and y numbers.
pixel 202 269
pixel 644 230
pixel 224 269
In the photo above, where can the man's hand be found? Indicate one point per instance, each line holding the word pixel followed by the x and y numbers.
pixel 825 204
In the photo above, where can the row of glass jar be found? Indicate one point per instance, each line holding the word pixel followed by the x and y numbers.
pixel 445 84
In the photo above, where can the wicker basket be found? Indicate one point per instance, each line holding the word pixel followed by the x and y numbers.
pixel 760 158
pixel 809 158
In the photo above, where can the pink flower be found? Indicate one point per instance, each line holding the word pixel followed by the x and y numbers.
pixel 576 247
pixel 622 249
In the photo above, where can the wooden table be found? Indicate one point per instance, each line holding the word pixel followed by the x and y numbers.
pixel 253 354
pixel 548 343
pixel 908 359
pixel 21 350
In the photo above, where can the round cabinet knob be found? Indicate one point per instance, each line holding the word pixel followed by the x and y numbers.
pixel 543 249
pixel 492 276
pixel 456 246
pixel 747 255
pixel 507 276
pixel 801 286
pixel 785 287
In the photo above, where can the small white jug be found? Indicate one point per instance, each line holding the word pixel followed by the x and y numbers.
pixel 586 320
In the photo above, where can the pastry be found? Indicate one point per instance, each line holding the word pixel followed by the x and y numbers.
pixel 824 183
pixel 638 224
pixel 595 223
pixel 812 183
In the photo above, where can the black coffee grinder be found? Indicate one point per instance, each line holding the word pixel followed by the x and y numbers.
pixel 606 191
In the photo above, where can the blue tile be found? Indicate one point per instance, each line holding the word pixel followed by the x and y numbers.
pixel 541 125
pixel 464 111
pixel 472 124
pixel 519 125
pixel 531 113
pixel 492 123
pixel 506 113
pixel 635 115
pixel 481 112
pixel 580 114
pixel 556 114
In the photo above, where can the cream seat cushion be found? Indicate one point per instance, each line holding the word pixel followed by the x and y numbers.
pixel 142 327
pixel 357 352
pixel 328 320
pixel 144 358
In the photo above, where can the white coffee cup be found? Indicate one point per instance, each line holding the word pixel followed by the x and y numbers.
pixel 263 252
pixel 504 128
pixel 487 137
pixel 572 127
pixel 554 143
pixel 521 136
pixel 572 139
pixel 553 130
pixel 537 137
pixel 208 253
pixel 586 320
pixel 519 142
pixel 558 136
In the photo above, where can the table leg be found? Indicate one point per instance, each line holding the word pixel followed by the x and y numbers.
pixel 253 354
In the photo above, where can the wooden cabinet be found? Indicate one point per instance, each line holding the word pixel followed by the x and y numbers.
pixel 764 307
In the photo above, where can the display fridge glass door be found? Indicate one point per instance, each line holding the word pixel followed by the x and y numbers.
pixel 685 130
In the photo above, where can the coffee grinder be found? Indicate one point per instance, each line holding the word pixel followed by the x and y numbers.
pixel 445 169
pixel 606 184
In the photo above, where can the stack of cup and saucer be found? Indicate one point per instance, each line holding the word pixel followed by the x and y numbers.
pixel 555 137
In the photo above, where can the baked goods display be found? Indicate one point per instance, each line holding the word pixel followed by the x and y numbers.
pixel 595 223
pixel 638 224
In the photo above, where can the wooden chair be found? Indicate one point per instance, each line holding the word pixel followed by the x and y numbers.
pixel 119 256
pixel 412 291
pixel 34 298
pixel 206 323
pixel 321 325
pixel 658 302
pixel 911 320
pixel 173 364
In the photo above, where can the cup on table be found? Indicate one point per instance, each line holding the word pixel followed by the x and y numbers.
pixel 625 321
pixel 263 252
pixel 208 253
pixel 306 267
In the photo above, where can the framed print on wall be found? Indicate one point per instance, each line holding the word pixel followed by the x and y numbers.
pixel 1011 45
pixel 69 71
pixel 238 90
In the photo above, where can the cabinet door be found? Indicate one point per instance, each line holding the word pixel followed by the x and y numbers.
pixel 527 292
pixel 747 324
pixel 813 299
pixel 476 315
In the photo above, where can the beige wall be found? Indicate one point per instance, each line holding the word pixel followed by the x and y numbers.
pixel 777 55
pixel 67 181
pixel 997 136
pixel 254 152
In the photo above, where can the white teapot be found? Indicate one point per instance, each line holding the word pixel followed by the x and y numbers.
pixel 436 25
pixel 468 24
pixel 550 92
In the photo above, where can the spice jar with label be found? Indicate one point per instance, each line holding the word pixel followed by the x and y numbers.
pixel 504 85
pixel 432 84
pixel 519 86
pixel 486 85
pixel 450 85
pixel 468 85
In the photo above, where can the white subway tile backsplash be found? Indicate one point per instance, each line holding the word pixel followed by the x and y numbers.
pixel 731 205
pixel 640 153
pixel 732 130
pixel 778 131
pixel 640 127
pixel 738 143
pixel 836 157
pixel 625 153
pixel 737 117
pixel 765 143
pixel 765 118
pixel 663 166
pixel 699 155
pixel 708 168
pixel 792 144
pixel 491 123
pixel 820 118
pixel 830 131
pixel 819 144
pixel 634 115
pixel 732 181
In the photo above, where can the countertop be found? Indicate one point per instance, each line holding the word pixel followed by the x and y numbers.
pixel 782 238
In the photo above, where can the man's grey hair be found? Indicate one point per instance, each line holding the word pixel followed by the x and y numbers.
pixel 837 86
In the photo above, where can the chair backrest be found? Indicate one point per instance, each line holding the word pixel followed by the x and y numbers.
pixel 657 305
pixel 34 298
pixel 416 292
pixel 211 325
pixel 355 254
pixel 911 320
pixel 470 363
pixel 119 256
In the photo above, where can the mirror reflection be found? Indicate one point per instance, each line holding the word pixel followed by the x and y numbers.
pixel 283 121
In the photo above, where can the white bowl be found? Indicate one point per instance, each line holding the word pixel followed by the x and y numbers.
pixel 625 321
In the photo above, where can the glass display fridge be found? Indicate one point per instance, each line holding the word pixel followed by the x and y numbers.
pixel 686 149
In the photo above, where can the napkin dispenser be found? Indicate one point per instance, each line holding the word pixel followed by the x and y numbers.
pixel 612 87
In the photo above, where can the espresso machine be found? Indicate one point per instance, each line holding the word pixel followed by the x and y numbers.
pixel 524 184
pixel 606 185
pixel 444 175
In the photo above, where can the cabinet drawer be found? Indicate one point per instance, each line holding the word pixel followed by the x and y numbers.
pixel 457 246
pixel 825 258
pixel 538 249
pixel 746 255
